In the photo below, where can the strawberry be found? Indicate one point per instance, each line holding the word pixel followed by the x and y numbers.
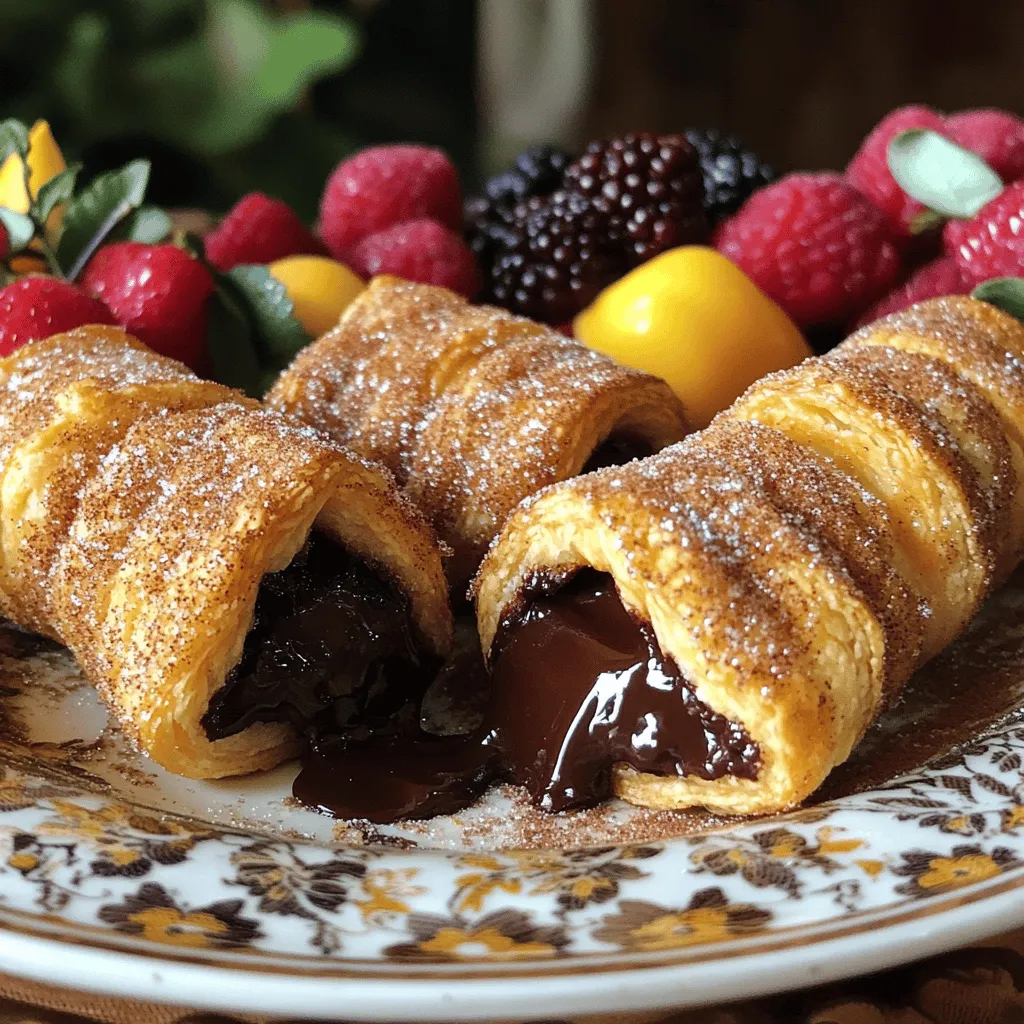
pixel 36 307
pixel 156 292
pixel 258 229
pixel 384 186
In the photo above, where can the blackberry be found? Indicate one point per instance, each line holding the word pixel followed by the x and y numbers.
pixel 537 171
pixel 649 189
pixel 554 258
pixel 732 173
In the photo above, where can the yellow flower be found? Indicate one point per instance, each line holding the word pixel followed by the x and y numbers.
pixel 83 822
pixel 168 925
pixel 687 928
pixel 481 861
pixel 788 846
pixel 483 942
pixel 584 888
pixel 380 901
pixel 121 855
pixel 475 889
pixel 23 861
pixel 1013 818
pixel 826 844
pixel 45 161
pixel 870 867
pixel 954 872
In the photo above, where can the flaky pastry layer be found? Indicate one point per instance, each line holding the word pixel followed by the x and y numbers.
pixel 470 407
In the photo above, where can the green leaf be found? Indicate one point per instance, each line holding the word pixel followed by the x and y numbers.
pixel 943 176
pixel 230 341
pixel 147 224
pixel 13 139
pixel 1005 292
pixel 96 210
pixel 20 228
pixel 59 189
pixel 278 333
pixel 304 48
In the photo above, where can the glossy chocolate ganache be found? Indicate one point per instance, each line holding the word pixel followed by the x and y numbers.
pixel 577 685
pixel 330 650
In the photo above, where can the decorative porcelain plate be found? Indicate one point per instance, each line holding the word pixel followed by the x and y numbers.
pixel 119 878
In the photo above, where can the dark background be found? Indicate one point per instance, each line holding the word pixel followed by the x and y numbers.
pixel 801 81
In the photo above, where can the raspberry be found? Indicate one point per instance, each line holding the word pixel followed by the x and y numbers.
pixel 258 229
pixel 732 173
pixel 418 250
pixel 555 259
pixel 36 307
pixel 537 172
pixel 940 277
pixel 815 245
pixel 387 185
pixel 996 136
pixel 649 189
pixel 868 171
pixel 156 292
pixel 990 244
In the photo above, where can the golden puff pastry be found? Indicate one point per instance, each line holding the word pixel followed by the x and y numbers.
pixel 64 402
pixel 985 346
pixel 470 407
pixel 168 528
pixel 796 561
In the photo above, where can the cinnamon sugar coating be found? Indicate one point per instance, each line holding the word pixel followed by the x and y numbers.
pixel 470 407
pixel 147 505
pixel 803 555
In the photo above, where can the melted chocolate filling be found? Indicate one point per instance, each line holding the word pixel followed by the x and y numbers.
pixel 578 686
pixel 330 651
pixel 617 450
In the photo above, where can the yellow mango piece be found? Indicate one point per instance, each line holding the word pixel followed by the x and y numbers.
pixel 693 318
pixel 45 161
pixel 320 289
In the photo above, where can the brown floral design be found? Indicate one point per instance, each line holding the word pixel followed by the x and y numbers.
pixel 767 860
pixel 931 873
pixel 503 935
pixel 286 884
pixel 155 916
pixel 643 927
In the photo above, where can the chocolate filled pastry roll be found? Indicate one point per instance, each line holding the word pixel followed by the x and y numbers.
pixel 719 624
pixel 238 587
pixel 470 407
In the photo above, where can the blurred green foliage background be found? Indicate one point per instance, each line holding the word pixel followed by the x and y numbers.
pixel 226 96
